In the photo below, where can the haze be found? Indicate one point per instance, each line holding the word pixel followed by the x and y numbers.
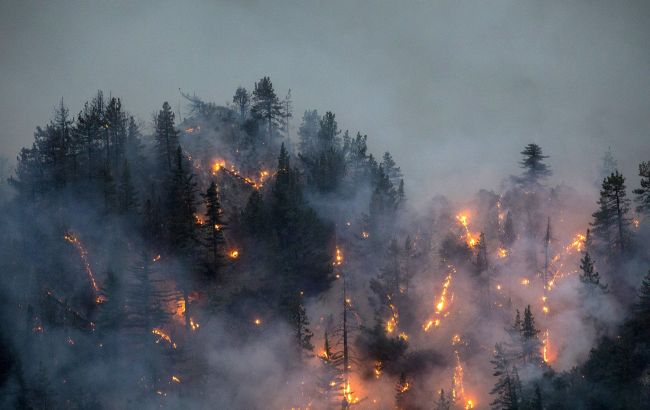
pixel 437 83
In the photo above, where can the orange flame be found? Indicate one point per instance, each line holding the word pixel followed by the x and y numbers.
pixel 83 254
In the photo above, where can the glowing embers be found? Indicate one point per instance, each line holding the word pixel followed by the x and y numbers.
pixel 338 258
pixel 162 336
pixel 547 354
pixel 83 254
pixel 392 322
pixel 441 304
pixel 577 244
pixel 220 165
pixel 470 238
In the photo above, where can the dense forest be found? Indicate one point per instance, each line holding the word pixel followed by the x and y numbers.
pixel 244 257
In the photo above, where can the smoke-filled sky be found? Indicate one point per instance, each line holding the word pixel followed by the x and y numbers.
pixel 453 89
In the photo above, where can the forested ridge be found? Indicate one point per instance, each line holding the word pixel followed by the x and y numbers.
pixel 240 257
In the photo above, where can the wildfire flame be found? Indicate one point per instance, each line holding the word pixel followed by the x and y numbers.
pixel 440 306
pixel 234 254
pixel 163 336
pixel 470 238
pixel 83 254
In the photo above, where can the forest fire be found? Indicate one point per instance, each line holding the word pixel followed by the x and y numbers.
pixel 470 238
pixel 163 336
pixel 83 254
pixel 441 301
pixel 576 244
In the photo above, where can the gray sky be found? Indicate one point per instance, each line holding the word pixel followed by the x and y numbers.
pixel 453 89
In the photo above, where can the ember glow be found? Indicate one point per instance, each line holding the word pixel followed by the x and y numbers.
pixel 83 254
pixel 162 336
pixel 470 238
pixel 441 303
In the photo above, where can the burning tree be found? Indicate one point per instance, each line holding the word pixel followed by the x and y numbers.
pixel 331 377
pixel 402 389
pixel 214 226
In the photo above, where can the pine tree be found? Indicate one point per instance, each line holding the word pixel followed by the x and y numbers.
pixel 508 235
pixel 299 322
pixel 536 403
pixel 109 190
pixel 287 108
pixel 481 255
pixel 328 133
pixel 308 132
pixel 166 137
pixel 111 310
pixel 241 99
pixel 127 195
pixel 535 170
pixel 506 389
pixel 181 208
pixel 531 344
pixel 588 276
pixel 400 193
pixel 443 402
pixel 611 222
pixel 391 169
pixel 643 304
pixel 402 389
pixel 214 225
pixel 609 165
pixel 133 142
pixel 266 105
pixel 643 193
pixel 254 217
pixel 330 378
pixel 116 131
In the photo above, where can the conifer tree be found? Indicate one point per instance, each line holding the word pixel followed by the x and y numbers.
pixel 266 105
pixel 127 195
pixel 391 169
pixel 181 207
pixel 297 317
pixel 506 389
pixel 308 132
pixel 330 378
pixel 443 402
pixel 402 389
pixel 133 142
pixel 611 221
pixel 535 170
pixel 643 192
pixel 588 276
pixel 254 216
pixel 287 113
pixel 109 190
pixel 241 99
pixel 166 137
pixel 643 304
pixel 508 234
pixel 531 344
pixel 214 225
